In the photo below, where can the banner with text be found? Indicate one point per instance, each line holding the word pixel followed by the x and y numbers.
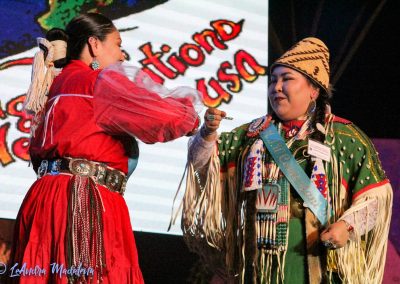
pixel 217 47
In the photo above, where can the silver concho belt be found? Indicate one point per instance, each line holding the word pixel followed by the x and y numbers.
pixel 113 179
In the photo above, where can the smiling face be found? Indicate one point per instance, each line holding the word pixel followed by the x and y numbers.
pixel 108 51
pixel 290 93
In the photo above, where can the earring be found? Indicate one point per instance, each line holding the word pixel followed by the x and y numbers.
pixel 95 64
pixel 311 108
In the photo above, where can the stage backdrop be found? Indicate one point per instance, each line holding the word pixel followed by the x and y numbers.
pixel 218 47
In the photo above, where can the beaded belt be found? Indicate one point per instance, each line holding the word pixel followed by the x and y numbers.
pixel 113 179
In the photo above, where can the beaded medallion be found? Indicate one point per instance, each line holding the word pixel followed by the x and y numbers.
pixel 267 198
pixel 258 125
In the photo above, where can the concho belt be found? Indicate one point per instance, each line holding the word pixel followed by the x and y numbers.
pixel 113 179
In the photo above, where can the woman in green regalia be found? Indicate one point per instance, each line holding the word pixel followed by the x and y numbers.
pixel 296 196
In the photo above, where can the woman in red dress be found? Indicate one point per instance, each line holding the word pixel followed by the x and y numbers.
pixel 74 224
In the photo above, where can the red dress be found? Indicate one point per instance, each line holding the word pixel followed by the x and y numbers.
pixel 98 126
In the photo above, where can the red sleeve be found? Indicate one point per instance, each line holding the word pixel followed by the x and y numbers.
pixel 122 107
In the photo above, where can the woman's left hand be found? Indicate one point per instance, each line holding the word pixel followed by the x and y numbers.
pixel 335 235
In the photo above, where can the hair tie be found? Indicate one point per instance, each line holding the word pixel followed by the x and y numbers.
pixel 60 49
pixel 43 73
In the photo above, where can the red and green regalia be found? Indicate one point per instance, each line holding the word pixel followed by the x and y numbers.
pixel 245 229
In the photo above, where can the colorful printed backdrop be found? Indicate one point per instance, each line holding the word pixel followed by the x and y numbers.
pixel 219 47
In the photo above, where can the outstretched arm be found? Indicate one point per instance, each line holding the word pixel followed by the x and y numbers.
pixel 122 106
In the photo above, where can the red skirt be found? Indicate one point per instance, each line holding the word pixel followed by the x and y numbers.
pixel 39 250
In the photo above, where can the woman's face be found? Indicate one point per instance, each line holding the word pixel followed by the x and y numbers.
pixel 109 51
pixel 290 93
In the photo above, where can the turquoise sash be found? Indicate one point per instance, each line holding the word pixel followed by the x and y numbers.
pixel 294 173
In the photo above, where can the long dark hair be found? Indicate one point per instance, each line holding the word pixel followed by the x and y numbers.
pixel 322 102
pixel 78 31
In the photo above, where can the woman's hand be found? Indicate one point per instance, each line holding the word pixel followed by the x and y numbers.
pixel 212 120
pixel 336 235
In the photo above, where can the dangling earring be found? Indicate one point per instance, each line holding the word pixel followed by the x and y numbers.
pixel 95 64
pixel 311 108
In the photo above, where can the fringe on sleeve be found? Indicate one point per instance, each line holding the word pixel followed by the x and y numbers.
pixel 209 213
pixel 362 260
